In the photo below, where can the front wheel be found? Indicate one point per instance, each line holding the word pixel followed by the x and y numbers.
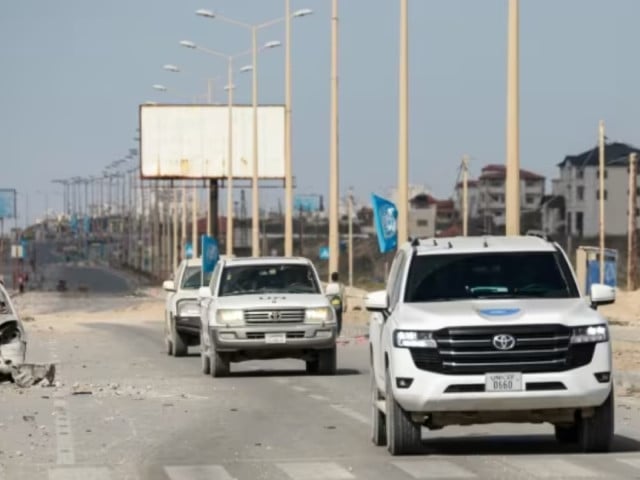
pixel 566 435
pixel 327 361
pixel 595 434
pixel 378 420
pixel 219 364
pixel 403 435
pixel 179 345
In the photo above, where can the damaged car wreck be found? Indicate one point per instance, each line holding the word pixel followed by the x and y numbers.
pixel 13 348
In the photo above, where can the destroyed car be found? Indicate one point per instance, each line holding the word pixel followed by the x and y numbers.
pixel 13 339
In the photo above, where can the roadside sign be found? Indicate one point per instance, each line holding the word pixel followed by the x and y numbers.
pixel 210 253
pixel 16 251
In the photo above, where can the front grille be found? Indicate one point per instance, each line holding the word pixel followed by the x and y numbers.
pixel 261 335
pixel 275 316
pixel 470 350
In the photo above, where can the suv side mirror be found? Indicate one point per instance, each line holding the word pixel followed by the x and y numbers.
pixel 204 292
pixel 602 295
pixel 169 286
pixel 377 301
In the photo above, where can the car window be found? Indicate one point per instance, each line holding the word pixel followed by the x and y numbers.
pixel 213 282
pixel 488 275
pixel 284 278
pixel 393 271
pixel 192 278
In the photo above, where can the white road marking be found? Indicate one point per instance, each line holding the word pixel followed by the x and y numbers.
pixel 351 413
pixel 79 473
pixel 64 436
pixel 552 468
pixel 320 398
pixel 299 389
pixel 425 469
pixel 632 462
pixel 198 472
pixel 315 471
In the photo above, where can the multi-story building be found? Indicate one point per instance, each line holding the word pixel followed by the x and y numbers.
pixel 487 194
pixel 578 184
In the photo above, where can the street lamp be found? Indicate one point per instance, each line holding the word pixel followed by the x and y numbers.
pixel 255 214
pixel 229 88
pixel 210 81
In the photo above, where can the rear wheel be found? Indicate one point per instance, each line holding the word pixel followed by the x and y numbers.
pixel 378 420
pixel 595 434
pixel 403 436
pixel 312 366
pixel 327 361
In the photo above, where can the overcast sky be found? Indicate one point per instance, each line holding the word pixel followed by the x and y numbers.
pixel 75 71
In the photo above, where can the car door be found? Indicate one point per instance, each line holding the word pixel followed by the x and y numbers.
pixel 395 291
pixel 378 322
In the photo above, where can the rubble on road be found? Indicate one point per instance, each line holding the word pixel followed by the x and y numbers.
pixel 30 374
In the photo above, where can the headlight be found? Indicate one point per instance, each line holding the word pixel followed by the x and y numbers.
pixel 419 339
pixel 319 315
pixel 230 317
pixel 188 309
pixel 590 334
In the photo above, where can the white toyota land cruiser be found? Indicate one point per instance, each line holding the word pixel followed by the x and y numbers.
pixel 266 308
pixel 478 330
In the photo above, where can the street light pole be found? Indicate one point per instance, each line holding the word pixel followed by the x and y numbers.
pixel 334 198
pixel 288 174
pixel 255 201
pixel 512 187
pixel 465 195
pixel 403 127
pixel 194 221
pixel 601 190
pixel 229 240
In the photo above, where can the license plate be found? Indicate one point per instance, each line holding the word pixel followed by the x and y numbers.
pixel 503 382
pixel 275 338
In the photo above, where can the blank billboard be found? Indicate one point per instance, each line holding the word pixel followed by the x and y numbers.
pixel 191 141
pixel 7 203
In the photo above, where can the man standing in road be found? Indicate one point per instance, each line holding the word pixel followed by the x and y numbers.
pixel 336 294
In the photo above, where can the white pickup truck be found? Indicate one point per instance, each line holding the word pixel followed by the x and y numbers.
pixel 266 308
pixel 474 330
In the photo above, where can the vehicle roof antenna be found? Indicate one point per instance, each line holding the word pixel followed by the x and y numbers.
pixel 435 242
pixel 484 243
pixel 415 242
pixel 450 245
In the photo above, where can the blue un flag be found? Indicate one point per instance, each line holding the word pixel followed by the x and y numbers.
pixel 385 219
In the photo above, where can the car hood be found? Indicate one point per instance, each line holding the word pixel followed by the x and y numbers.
pixel 476 313
pixel 273 301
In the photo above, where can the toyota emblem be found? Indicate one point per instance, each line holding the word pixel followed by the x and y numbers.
pixel 504 342
pixel 274 316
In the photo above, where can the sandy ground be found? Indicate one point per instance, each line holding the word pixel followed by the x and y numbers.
pixel 626 310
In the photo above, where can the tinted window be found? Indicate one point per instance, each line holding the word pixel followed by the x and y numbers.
pixel 435 278
pixel 242 280
pixel 192 278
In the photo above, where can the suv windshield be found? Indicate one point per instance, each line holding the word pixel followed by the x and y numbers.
pixel 434 278
pixel 248 279
pixel 192 278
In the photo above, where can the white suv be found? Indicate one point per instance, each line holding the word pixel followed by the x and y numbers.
pixel 478 330
pixel 266 308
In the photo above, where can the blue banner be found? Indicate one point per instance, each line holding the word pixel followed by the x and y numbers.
pixel 74 223
pixel 188 250
pixel 385 219
pixel 610 272
pixel 324 253
pixel 210 253
pixel 306 203
pixel 7 203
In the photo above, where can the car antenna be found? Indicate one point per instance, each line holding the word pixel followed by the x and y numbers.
pixel 415 242
pixel 485 244
pixel 450 245
pixel 435 242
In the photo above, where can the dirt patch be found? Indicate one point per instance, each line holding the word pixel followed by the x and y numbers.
pixel 626 310
pixel 626 356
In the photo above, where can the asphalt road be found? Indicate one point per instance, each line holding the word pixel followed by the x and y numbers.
pixel 139 414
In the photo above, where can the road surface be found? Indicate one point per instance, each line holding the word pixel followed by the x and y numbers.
pixel 125 410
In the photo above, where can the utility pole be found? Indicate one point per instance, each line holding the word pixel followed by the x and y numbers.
pixel 350 213
pixel 512 186
pixel 255 192
pixel 183 246
pixel 334 182
pixel 632 254
pixel 601 162
pixel 174 247
pixel 194 222
pixel 465 195
pixel 288 183
pixel 403 127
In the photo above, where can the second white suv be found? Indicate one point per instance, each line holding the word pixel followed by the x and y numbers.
pixel 474 330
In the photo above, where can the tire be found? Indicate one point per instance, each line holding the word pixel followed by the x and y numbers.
pixel 378 420
pixel 312 366
pixel 595 434
pixel 327 361
pixel 180 347
pixel 566 435
pixel 205 363
pixel 218 364
pixel 169 346
pixel 403 436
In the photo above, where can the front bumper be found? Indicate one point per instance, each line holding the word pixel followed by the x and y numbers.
pixel 434 392
pixel 255 337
